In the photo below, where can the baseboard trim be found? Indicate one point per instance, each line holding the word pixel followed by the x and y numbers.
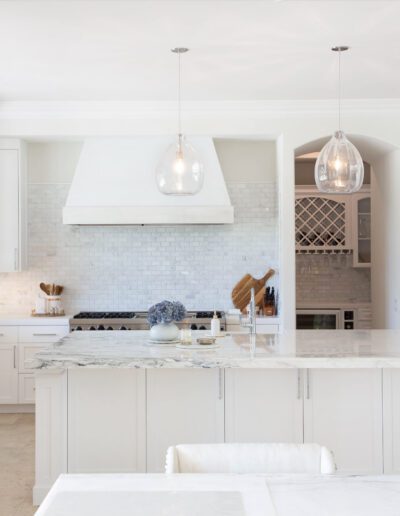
pixel 17 409
pixel 39 493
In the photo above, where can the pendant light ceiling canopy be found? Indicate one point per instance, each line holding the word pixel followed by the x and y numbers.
pixel 180 171
pixel 339 167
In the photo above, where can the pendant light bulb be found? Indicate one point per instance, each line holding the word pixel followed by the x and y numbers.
pixel 339 167
pixel 180 171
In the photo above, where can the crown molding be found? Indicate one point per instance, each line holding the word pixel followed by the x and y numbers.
pixel 131 110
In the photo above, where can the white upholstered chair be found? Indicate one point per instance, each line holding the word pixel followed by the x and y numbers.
pixel 250 458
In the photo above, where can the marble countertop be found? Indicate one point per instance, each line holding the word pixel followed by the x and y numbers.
pixel 222 495
pixel 292 349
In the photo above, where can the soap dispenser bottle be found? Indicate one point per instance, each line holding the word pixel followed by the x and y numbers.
pixel 215 325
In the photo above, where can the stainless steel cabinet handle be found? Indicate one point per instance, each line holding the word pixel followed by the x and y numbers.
pixel 45 334
pixel 220 385
pixel 15 357
pixel 298 384
pixel 308 384
pixel 16 259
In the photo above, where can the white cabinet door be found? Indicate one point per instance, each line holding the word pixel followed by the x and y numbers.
pixel 391 420
pixel 26 388
pixel 9 210
pixel 106 421
pixel 26 354
pixel 343 411
pixel 263 405
pixel 8 373
pixel 361 229
pixel 183 406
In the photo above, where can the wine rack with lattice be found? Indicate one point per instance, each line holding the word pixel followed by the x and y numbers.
pixel 320 224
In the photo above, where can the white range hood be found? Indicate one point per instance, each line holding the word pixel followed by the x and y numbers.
pixel 114 183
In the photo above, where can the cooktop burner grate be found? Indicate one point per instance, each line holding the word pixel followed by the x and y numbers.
pixel 105 315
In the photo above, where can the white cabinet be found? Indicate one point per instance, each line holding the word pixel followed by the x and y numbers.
pixel 338 408
pixel 322 221
pixel 42 334
pixel 26 352
pixel 106 421
pixel 361 229
pixel 12 206
pixel 8 373
pixel 32 339
pixel 263 405
pixel 183 406
pixel 26 389
pixel 391 420
pixel 343 411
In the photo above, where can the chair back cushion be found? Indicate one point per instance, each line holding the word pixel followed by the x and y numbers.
pixel 250 458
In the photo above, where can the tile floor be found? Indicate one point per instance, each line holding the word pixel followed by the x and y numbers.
pixel 17 446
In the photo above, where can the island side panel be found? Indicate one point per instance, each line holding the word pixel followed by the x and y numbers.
pixel 51 430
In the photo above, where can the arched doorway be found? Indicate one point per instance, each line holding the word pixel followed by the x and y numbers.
pixel 346 247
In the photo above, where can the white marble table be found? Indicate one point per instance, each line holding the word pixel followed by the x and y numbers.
pixel 222 495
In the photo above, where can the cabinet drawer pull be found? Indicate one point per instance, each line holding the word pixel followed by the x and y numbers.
pixel 45 334
pixel 15 259
pixel 308 384
pixel 298 384
pixel 220 386
pixel 15 359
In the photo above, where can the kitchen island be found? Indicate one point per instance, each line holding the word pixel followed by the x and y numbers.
pixel 110 402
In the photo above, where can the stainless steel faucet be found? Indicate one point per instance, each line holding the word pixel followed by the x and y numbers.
pixel 251 319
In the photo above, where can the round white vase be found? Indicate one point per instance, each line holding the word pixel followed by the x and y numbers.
pixel 164 331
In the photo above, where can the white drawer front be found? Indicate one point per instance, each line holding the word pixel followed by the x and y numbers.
pixel 26 354
pixel 26 388
pixel 8 334
pixel 42 333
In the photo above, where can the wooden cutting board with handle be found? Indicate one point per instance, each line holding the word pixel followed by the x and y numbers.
pixel 241 291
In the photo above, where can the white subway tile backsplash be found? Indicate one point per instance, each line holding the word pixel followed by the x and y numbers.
pixel 331 278
pixel 132 267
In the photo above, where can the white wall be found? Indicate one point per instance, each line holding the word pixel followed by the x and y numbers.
pixel 53 162
pixel 386 241
pixel 247 160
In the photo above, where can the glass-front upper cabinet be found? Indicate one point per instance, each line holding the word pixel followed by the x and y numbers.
pixel 362 230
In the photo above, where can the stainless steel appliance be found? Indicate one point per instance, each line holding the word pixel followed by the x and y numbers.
pixel 97 321
pixel 325 319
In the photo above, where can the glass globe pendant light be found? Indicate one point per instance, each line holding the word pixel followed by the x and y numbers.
pixel 339 167
pixel 180 171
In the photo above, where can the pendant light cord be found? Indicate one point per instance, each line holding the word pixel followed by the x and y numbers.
pixel 340 91
pixel 179 99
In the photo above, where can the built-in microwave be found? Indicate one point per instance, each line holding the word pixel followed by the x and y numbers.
pixel 325 319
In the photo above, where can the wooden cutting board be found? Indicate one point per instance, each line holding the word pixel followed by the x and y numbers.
pixel 241 291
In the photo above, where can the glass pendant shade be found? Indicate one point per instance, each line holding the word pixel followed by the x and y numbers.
pixel 339 167
pixel 180 171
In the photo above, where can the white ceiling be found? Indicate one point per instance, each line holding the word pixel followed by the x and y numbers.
pixel 240 50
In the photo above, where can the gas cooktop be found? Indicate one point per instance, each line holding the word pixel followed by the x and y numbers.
pixel 105 315
pixel 138 321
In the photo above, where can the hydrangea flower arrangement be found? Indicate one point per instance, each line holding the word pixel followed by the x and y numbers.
pixel 166 312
